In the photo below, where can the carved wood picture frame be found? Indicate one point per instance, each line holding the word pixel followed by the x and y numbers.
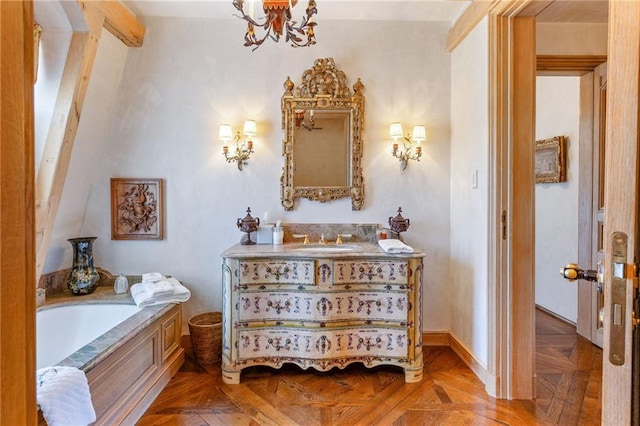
pixel 323 88
pixel 137 209
pixel 550 160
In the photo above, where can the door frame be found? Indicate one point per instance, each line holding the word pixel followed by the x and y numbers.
pixel 512 70
pixel 583 67
pixel 17 224
pixel 513 123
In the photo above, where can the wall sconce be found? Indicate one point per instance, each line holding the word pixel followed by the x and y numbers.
pixel 405 154
pixel 304 120
pixel 243 149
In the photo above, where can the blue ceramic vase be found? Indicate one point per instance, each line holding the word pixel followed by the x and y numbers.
pixel 83 277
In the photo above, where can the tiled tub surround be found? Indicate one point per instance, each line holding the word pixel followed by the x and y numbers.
pixel 321 307
pixel 130 364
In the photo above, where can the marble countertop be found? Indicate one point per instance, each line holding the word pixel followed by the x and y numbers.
pixel 305 251
pixel 102 294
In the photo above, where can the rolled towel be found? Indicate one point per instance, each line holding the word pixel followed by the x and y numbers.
pixel 64 397
pixel 394 246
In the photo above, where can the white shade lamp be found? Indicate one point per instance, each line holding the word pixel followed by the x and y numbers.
pixel 405 153
pixel 243 149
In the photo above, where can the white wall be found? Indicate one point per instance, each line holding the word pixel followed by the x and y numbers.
pixel 469 195
pixel 190 76
pixel 53 48
pixel 558 114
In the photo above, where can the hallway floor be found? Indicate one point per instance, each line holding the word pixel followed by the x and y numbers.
pixel 569 379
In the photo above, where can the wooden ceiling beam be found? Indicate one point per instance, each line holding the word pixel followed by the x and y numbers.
pixel 478 9
pixel 472 15
pixel 119 21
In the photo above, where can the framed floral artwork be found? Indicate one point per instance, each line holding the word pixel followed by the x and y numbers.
pixel 137 211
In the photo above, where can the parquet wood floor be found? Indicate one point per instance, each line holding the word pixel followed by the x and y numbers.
pixel 568 386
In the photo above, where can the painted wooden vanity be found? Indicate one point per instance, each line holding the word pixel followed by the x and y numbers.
pixel 321 307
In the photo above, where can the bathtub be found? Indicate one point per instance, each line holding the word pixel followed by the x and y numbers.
pixel 63 330
pixel 128 354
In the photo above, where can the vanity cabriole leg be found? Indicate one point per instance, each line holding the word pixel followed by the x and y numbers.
pixel 414 373
pixel 412 376
pixel 230 377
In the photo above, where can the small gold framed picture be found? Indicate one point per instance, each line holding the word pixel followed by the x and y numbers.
pixel 551 160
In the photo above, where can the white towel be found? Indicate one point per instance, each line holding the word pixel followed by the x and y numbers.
pixel 394 246
pixel 152 277
pixel 158 288
pixel 144 298
pixel 64 397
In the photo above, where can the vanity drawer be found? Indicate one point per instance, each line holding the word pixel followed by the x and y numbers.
pixel 321 307
pixel 370 272
pixel 323 343
pixel 277 272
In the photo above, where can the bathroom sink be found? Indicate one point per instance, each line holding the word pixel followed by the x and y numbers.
pixel 326 248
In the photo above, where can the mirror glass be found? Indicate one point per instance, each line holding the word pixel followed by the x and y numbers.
pixel 323 120
pixel 321 149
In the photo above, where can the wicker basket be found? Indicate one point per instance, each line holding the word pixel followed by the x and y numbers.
pixel 206 337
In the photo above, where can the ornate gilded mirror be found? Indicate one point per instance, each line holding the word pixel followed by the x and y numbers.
pixel 323 121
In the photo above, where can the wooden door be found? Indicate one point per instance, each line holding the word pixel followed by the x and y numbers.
pixel 621 208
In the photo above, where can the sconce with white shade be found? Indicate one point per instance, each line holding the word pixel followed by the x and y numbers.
pixel 411 149
pixel 243 148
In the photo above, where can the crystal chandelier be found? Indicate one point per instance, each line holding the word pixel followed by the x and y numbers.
pixel 277 21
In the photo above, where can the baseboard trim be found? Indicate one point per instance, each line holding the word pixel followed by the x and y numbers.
pixel 436 338
pixel 556 316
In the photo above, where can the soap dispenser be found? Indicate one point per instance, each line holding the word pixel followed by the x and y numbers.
pixel 121 284
pixel 278 233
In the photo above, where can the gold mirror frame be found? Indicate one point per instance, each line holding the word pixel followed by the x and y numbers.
pixel 323 88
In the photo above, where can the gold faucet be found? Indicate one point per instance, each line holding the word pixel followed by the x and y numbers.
pixel 322 241
pixel 339 239
pixel 305 236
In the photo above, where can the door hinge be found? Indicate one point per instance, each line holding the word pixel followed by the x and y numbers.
pixel 504 224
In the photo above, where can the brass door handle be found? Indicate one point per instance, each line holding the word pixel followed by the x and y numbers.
pixel 572 272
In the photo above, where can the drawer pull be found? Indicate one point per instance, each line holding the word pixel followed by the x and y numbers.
pixel 279 307
pixel 276 342
pixel 276 272
pixel 371 272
